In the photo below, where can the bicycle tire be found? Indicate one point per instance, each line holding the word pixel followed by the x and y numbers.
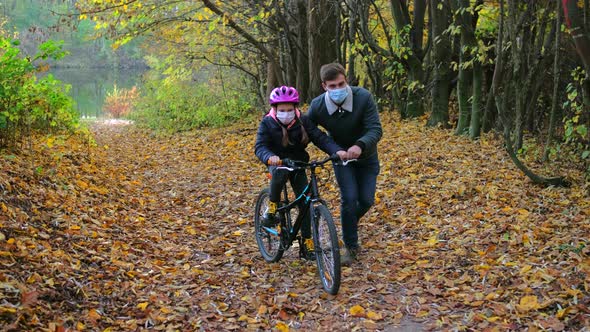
pixel 326 249
pixel 269 244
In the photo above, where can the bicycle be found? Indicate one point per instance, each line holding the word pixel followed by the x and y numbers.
pixel 272 243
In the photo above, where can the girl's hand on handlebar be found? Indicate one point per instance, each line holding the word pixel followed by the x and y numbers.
pixel 342 154
pixel 274 161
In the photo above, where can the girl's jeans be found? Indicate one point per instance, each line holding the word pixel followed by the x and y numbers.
pixel 357 181
pixel 298 181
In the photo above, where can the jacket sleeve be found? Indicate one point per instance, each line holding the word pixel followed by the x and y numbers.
pixel 372 125
pixel 263 143
pixel 319 138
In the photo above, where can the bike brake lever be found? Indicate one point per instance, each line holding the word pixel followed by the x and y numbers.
pixel 345 162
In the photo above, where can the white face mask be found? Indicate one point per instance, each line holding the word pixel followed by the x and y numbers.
pixel 286 117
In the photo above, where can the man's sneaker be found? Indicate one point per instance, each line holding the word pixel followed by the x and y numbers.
pixel 349 255
pixel 269 220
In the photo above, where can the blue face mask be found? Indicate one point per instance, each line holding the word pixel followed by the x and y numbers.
pixel 338 95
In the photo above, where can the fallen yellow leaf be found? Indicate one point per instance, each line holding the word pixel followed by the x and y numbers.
pixel 357 311
pixel 563 312
pixel 374 315
pixel 282 327
pixel 82 184
pixel 525 269
pixel 432 241
pixel 528 303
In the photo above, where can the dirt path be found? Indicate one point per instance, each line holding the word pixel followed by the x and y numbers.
pixel 192 228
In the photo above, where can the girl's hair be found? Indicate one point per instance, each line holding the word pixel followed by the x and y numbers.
pixel 304 137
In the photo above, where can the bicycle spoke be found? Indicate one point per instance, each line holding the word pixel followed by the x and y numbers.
pixel 268 239
pixel 327 250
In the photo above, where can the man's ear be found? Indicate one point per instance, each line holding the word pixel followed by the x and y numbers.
pixel 324 86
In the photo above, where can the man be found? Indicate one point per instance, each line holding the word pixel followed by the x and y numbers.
pixel 350 116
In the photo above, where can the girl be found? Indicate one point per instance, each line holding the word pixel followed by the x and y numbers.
pixel 285 133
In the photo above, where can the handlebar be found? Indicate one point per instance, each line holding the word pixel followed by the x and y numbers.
pixel 292 165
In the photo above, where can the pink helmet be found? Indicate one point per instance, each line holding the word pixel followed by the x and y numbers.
pixel 284 94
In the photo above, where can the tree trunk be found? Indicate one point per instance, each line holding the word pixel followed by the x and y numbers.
pixel 288 39
pixel 463 93
pixel 501 105
pixel 571 13
pixel 441 55
pixel 470 22
pixel 352 26
pixel 323 46
pixel 476 106
pixel 516 46
pixel 556 73
pixel 465 77
pixel 271 79
pixel 413 65
pixel 414 104
pixel 302 81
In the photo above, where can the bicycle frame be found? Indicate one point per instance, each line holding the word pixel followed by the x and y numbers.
pixel 310 195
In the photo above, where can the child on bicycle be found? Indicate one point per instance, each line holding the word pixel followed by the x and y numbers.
pixel 285 133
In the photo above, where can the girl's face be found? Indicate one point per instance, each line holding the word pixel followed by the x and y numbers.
pixel 287 107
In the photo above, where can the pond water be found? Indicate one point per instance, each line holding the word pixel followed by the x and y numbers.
pixel 91 85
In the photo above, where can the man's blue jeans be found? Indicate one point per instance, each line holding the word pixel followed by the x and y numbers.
pixel 357 182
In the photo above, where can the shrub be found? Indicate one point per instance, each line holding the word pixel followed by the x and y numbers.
pixel 26 103
pixel 120 102
pixel 180 105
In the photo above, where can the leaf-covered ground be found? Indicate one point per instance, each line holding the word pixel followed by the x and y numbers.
pixel 140 231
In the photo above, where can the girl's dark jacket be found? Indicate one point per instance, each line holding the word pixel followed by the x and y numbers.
pixel 270 136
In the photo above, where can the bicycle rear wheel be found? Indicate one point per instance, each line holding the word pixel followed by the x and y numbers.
pixel 268 240
pixel 325 240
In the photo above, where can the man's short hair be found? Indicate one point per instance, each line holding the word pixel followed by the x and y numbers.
pixel 330 71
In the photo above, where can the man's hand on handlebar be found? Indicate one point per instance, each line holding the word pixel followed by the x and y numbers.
pixel 354 152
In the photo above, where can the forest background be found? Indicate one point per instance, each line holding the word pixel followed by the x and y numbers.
pixel 213 63
pixel 515 73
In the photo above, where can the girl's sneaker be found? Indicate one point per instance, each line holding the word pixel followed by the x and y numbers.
pixel 305 250
pixel 270 220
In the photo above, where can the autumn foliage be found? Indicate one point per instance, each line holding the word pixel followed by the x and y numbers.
pixel 120 102
pixel 138 232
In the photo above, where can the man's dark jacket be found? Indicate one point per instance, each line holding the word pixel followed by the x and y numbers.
pixel 361 126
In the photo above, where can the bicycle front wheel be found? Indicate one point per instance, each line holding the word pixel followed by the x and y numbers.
pixel 268 240
pixel 325 240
